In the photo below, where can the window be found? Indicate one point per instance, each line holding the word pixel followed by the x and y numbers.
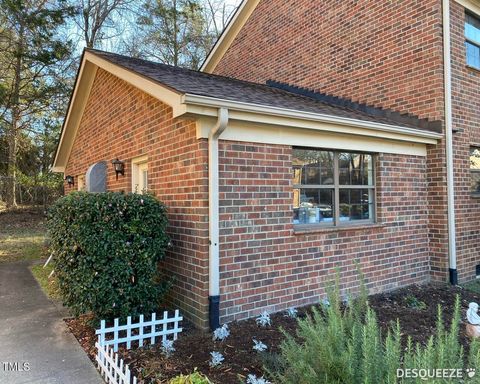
pixel 472 43
pixel 475 170
pixel 140 175
pixel 81 183
pixel 332 188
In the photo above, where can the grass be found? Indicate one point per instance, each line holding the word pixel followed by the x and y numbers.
pixel 49 286
pixel 22 235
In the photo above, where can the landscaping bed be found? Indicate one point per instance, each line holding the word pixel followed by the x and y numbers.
pixel 414 306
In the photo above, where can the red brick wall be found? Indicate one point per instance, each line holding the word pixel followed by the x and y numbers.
pixel 265 265
pixel 121 121
pixel 384 53
pixel 466 119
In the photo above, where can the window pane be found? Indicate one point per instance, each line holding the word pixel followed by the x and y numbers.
pixel 356 204
pixel 472 28
pixel 145 179
pixel 475 182
pixel 475 169
pixel 473 55
pixel 312 206
pixel 475 158
pixel 313 167
pixel 355 169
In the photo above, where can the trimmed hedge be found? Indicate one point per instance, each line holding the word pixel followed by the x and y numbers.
pixel 106 248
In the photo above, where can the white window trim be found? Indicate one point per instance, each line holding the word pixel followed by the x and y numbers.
pixel 136 164
pixel 470 5
pixel 81 183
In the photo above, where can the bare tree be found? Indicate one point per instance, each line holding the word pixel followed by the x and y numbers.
pixel 96 16
pixel 218 14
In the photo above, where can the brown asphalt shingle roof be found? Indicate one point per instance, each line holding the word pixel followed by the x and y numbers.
pixel 200 83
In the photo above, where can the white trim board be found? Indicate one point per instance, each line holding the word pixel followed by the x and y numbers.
pixel 471 5
pixel 226 39
pixel 269 134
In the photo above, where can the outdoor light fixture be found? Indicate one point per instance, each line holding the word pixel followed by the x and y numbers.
pixel 70 180
pixel 119 167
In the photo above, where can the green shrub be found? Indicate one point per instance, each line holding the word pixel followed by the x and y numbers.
pixel 106 248
pixel 345 345
pixel 412 302
pixel 193 378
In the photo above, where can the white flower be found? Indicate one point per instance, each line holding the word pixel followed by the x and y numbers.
pixel 216 360
pixel 167 347
pixel 259 346
pixel 253 379
pixel 264 319
pixel 221 333
pixel 291 312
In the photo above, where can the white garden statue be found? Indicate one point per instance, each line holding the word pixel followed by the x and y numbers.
pixel 473 326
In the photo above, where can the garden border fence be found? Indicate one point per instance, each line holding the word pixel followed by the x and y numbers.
pixel 112 369
pixel 152 324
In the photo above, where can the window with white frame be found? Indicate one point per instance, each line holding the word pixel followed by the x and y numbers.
pixel 333 188
pixel 472 40
pixel 81 183
pixel 475 170
pixel 140 175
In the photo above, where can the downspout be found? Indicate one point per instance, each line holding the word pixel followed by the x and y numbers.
pixel 213 222
pixel 452 249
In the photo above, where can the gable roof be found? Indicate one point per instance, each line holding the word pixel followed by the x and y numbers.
pixel 236 23
pixel 201 94
pixel 186 81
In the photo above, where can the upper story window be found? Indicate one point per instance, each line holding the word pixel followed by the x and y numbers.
pixel 472 43
pixel 475 170
pixel 332 188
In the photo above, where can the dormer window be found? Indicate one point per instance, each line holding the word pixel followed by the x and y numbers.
pixel 472 40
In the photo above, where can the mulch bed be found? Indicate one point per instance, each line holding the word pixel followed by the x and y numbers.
pixel 192 349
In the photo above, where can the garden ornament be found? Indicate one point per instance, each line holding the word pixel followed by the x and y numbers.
pixel 473 326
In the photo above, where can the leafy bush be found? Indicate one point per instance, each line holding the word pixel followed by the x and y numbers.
pixel 345 345
pixel 106 248
pixel 194 378
pixel 412 302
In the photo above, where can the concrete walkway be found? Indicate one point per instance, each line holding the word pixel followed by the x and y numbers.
pixel 32 332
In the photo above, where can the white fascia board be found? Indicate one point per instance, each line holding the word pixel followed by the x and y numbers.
pixel 208 106
pixel 154 89
pixel 86 76
pixel 81 93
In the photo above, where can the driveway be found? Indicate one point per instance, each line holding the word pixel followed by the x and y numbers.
pixel 35 344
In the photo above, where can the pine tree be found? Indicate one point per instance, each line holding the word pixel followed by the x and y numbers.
pixel 30 50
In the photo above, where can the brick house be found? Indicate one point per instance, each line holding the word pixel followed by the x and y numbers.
pixel 319 135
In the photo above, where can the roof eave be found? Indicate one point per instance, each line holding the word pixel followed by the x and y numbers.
pixel 208 106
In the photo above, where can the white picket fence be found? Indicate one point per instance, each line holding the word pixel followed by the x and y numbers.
pixel 122 334
pixel 112 369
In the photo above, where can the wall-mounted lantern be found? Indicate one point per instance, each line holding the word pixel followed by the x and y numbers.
pixel 119 167
pixel 70 180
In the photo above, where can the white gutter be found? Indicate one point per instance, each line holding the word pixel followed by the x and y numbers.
pixel 452 249
pixel 211 102
pixel 214 213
